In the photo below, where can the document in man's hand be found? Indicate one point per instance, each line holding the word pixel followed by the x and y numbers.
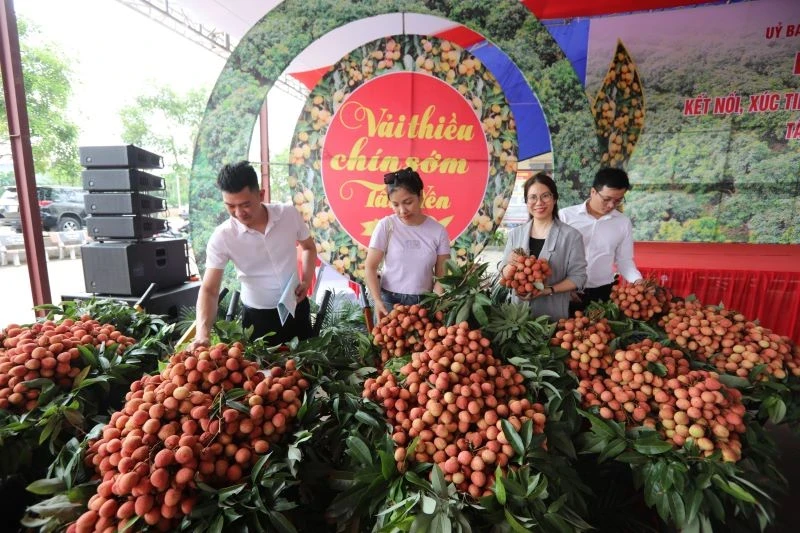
pixel 288 301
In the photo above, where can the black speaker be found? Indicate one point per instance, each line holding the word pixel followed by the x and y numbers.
pixel 128 268
pixel 122 203
pixel 162 302
pixel 120 179
pixel 128 156
pixel 124 227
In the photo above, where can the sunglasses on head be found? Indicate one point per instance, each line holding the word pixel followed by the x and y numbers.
pixel 398 175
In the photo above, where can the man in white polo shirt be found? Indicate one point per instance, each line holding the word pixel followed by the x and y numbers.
pixel 261 240
pixel 607 236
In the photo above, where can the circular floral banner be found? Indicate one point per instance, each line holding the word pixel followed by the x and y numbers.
pixel 399 120
pixel 403 101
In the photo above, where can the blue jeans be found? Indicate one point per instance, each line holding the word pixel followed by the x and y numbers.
pixel 390 298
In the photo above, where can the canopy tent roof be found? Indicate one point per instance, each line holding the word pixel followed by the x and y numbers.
pixel 235 17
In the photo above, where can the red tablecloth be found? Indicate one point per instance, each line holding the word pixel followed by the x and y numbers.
pixel 760 280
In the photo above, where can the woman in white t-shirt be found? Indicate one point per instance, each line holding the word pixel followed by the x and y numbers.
pixel 412 246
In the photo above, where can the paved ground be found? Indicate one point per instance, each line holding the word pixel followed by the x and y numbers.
pixel 493 256
pixel 66 277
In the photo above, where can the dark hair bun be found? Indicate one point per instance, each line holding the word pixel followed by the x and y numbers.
pixel 407 178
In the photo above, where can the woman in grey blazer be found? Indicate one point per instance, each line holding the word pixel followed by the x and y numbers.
pixel 546 237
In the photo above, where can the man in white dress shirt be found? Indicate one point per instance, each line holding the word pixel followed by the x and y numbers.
pixel 607 236
pixel 261 240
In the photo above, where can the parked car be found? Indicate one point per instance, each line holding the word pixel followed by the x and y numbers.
pixel 61 208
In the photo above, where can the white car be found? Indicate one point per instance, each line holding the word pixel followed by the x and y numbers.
pixel 9 206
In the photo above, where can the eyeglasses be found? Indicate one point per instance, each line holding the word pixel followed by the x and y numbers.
pixel 612 201
pixel 398 175
pixel 544 197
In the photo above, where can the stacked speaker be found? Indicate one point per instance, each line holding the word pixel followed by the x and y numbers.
pixel 127 256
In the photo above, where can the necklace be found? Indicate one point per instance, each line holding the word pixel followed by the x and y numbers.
pixel 541 233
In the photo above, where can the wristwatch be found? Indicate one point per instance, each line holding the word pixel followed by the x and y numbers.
pixel 552 290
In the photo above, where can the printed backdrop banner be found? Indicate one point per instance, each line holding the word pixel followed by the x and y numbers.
pixel 718 158
pixel 700 104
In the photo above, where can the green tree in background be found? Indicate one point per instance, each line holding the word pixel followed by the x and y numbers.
pixel 54 137
pixel 279 177
pixel 166 123
pixel 6 178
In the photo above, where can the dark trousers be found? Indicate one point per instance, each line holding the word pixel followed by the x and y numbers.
pixel 593 294
pixel 267 320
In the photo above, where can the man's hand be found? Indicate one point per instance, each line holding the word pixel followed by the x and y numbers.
pixel 301 291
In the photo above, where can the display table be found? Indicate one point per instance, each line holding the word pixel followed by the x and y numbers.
pixel 760 280
pixel 167 301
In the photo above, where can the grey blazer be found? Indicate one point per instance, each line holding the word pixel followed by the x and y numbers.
pixel 563 248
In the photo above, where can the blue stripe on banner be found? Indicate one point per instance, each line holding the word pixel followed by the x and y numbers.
pixel 533 135
pixel 573 38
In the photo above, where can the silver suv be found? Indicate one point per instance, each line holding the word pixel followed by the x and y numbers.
pixel 61 208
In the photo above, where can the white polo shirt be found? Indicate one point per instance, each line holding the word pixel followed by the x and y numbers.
pixel 608 240
pixel 265 262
